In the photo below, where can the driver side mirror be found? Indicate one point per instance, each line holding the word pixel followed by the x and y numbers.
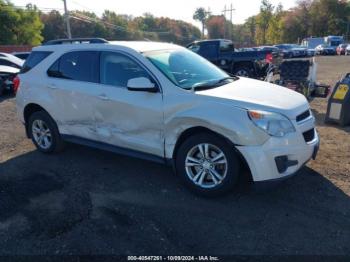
pixel 141 84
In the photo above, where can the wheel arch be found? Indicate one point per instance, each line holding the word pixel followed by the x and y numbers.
pixel 28 111
pixel 200 129
pixel 244 64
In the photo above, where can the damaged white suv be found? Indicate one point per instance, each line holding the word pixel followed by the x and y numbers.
pixel 164 103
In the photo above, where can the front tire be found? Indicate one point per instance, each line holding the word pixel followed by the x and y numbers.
pixel 207 164
pixel 242 71
pixel 44 133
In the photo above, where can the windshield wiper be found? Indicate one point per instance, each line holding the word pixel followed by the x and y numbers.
pixel 211 84
pixel 234 78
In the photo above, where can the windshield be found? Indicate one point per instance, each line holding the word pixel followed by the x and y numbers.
pixel 335 43
pixel 284 47
pixel 185 68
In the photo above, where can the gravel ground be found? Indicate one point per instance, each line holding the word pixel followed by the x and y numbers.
pixel 85 201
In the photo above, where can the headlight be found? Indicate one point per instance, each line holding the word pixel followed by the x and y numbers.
pixel 272 123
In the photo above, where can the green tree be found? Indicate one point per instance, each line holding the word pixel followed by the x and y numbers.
pixel 53 25
pixel 9 18
pixel 263 21
pixel 274 31
pixel 19 26
pixel 117 25
pixel 250 24
pixel 201 15
pixel 30 26
pixel 329 17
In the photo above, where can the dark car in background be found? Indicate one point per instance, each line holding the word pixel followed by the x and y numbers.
pixel 286 50
pixel 299 51
pixel 292 50
pixel 221 52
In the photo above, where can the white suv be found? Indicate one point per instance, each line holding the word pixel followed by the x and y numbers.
pixel 165 103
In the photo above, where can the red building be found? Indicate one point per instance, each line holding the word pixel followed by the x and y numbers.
pixel 15 48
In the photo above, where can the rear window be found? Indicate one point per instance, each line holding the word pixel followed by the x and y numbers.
pixel 77 65
pixel 226 46
pixel 33 59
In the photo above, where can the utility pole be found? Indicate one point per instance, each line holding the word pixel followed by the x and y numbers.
pixel 224 11
pixel 66 14
pixel 231 9
pixel 207 16
pixel 208 13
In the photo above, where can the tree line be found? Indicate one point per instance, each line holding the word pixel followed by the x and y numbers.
pixel 273 24
pixel 30 26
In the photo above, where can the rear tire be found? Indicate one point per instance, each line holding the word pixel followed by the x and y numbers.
pixel 2 86
pixel 207 164
pixel 44 133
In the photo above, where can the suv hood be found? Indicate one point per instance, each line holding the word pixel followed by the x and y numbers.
pixel 258 95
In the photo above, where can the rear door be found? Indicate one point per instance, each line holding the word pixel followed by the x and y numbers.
pixel 74 89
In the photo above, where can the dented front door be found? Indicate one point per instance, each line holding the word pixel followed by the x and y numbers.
pixel 124 118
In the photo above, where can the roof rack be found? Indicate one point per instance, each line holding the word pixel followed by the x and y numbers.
pixel 76 41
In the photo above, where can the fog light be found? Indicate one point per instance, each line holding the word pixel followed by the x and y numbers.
pixel 283 163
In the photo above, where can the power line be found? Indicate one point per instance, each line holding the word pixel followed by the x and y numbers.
pixel 83 6
pixel 230 9
pixel 25 8
pixel 87 19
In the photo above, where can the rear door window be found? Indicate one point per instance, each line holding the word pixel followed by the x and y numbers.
pixel 33 59
pixel 78 65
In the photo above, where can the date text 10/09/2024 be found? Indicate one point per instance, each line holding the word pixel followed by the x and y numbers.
pixel 173 258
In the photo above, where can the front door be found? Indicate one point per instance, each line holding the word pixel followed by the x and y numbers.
pixel 128 119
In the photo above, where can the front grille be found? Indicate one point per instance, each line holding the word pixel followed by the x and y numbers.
pixel 309 135
pixel 303 116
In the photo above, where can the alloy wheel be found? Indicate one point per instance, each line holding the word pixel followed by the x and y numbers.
pixel 41 134
pixel 206 165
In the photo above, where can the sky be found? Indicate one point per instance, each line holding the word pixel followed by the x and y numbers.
pixel 176 9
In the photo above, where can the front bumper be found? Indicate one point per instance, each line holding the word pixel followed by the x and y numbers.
pixel 262 159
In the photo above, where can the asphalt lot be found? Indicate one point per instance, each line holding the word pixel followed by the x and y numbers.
pixel 85 201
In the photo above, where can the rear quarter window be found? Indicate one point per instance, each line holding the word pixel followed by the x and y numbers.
pixel 33 59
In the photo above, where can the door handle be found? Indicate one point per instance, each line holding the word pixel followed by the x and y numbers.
pixel 103 97
pixel 52 86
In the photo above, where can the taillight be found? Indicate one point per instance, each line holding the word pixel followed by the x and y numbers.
pixel 269 58
pixel 16 83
